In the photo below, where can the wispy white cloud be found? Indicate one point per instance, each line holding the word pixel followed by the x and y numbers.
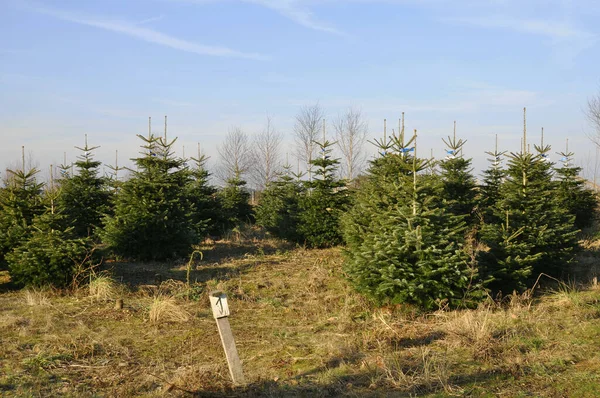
pixel 149 20
pixel 551 29
pixel 145 34
pixel 294 10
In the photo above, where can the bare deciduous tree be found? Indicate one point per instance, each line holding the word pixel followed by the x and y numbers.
pixel 351 133
pixel 266 155
pixel 306 131
pixel 593 114
pixel 235 154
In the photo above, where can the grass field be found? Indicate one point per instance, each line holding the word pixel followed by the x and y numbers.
pixel 300 331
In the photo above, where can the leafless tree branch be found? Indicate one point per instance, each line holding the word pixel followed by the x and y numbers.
pixel 266 155
pixel 235 155
pixel 351 133
pixel 306 131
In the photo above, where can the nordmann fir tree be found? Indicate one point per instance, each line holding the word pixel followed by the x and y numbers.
pixel 412 249
pixel 84 197
pixel 323 202
pixel 537 235
pixel 234 200
pixel 489 192
pixel 458 183
pixel 202 198
pixel 573 194
pixel 51 254
pixel 151 219
pixel 278 210
pixel 20 202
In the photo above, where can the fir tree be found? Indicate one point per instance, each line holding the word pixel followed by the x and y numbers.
pixel 458 184
pixel 489 194
pixel 20 202
pixel 537 236
pixel 85 198
pixel 50 254
pixel 573 194
pixel 403 246
pixel 234 200
pixel 278 210
pixel 202 198
pixel 151 217
pixel 323 202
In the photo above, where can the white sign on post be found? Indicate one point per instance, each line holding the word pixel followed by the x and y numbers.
pixel 218 302
pixel 220 310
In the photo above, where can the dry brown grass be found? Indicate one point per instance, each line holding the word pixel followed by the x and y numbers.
pixel 300 329
pixel 102 288
pixel 166 309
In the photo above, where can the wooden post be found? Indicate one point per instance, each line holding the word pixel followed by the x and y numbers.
pixel 220 309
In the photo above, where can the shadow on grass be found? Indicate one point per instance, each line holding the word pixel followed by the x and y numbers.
pixel 365 384
pixel 220 260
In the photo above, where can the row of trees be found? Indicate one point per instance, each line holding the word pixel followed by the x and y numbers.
pixel 416 230
pixel 422 231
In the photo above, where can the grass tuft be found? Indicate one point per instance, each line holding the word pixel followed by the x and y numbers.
pixel 165 309
pixel 102 288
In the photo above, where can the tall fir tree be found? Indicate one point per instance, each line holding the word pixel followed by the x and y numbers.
pixel 85 197
pixel 537 235
pixel 323 202
pixel 151 219
pixel 573 194
pixel 458 183
pixel 403 246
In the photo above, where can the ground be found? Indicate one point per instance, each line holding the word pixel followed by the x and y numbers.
pixel 300 330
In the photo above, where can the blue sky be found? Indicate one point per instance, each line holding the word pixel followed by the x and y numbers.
pixel 75 67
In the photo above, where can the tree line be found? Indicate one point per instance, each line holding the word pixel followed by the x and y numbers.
pixel 414 229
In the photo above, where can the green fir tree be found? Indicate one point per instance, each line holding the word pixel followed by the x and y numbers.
pixel 151 219
pixel 323 202
pixel 403 245
pixel 202 198
pixel 537 235
pixel 20 202
pixel 489 193
pixel 50 254
pixel 458 183
pixel 573 194
pixel 278 210
pixel 85 197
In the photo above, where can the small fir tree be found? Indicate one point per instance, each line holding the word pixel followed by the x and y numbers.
pixel 20 202
pixel 458 183
pixel 278 210
pixel 489 193
pixel 234 200
pixel 50 255
pixel 324 201
pixel 573 194
pixel 202 198
pixel 85 197
pixel 151 219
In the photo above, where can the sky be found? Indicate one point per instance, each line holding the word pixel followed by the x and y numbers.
pixel 101 68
